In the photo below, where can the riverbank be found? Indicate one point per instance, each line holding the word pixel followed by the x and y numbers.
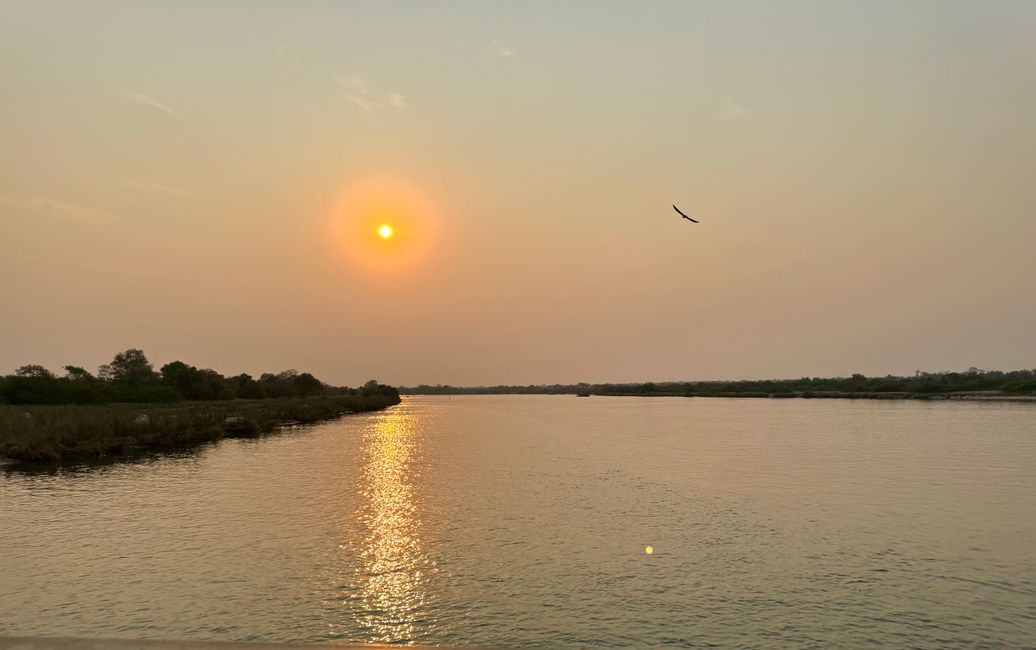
pixel 819 394
pixel 76 432
pixel 1014 385
pixel 971 397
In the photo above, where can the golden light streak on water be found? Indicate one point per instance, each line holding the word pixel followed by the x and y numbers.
pixel 394 564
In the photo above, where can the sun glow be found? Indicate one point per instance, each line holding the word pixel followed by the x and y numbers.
pixel 385 223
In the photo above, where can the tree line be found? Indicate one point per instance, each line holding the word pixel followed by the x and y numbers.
pixel 1016 382
pixel 130 377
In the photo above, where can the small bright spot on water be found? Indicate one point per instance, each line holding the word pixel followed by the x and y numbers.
pixel 649 549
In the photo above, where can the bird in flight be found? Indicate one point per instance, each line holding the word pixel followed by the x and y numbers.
pixel 684 215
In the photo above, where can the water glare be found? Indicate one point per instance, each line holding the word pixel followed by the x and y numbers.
pixel 392 582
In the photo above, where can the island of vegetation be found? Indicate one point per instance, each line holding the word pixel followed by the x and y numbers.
pixel 970 384
pixel 128 407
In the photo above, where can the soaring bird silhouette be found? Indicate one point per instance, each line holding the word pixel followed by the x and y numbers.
pixel 684 215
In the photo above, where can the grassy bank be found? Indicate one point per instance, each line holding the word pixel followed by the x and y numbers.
pixel 72 432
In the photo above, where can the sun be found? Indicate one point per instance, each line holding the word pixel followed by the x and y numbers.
pixel 385 223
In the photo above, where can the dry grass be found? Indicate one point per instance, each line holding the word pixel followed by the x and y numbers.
pixel 53 433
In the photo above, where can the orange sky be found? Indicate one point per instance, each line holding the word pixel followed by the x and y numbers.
pixel 207 185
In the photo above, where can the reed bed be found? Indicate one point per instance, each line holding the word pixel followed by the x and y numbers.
pixel 44 433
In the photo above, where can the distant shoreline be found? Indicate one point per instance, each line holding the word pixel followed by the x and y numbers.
pixel 941 397
pixel 973 383
pixel 837 395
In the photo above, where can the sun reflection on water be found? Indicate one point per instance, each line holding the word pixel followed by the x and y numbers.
pixel 392 579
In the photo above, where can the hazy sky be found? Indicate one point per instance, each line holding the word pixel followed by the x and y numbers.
pixel 203 179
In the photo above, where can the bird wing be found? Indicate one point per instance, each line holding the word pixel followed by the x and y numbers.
pixel 684 215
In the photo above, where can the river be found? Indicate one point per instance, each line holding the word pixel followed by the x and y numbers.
pixel 526 520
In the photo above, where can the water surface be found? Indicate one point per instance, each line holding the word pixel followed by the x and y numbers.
pixel 523 520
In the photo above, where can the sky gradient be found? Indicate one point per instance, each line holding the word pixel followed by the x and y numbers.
pixel 203 180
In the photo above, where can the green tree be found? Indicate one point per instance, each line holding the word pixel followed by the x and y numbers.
pixel 191 383
pixel 130 367
pixel 245 387
pixel 75 373
pixel 306 385
pixel 134 379
pixel 34 371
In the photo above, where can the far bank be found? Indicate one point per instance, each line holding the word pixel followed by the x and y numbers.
pixel 972 384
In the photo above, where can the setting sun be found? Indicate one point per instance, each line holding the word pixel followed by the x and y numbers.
pixel 385 223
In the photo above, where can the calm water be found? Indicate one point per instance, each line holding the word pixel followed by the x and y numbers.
pixel 519 520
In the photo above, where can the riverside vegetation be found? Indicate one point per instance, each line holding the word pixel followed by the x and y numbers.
pixel 129 407
pixel 922 385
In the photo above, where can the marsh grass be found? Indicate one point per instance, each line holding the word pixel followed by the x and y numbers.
pixel 47 433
